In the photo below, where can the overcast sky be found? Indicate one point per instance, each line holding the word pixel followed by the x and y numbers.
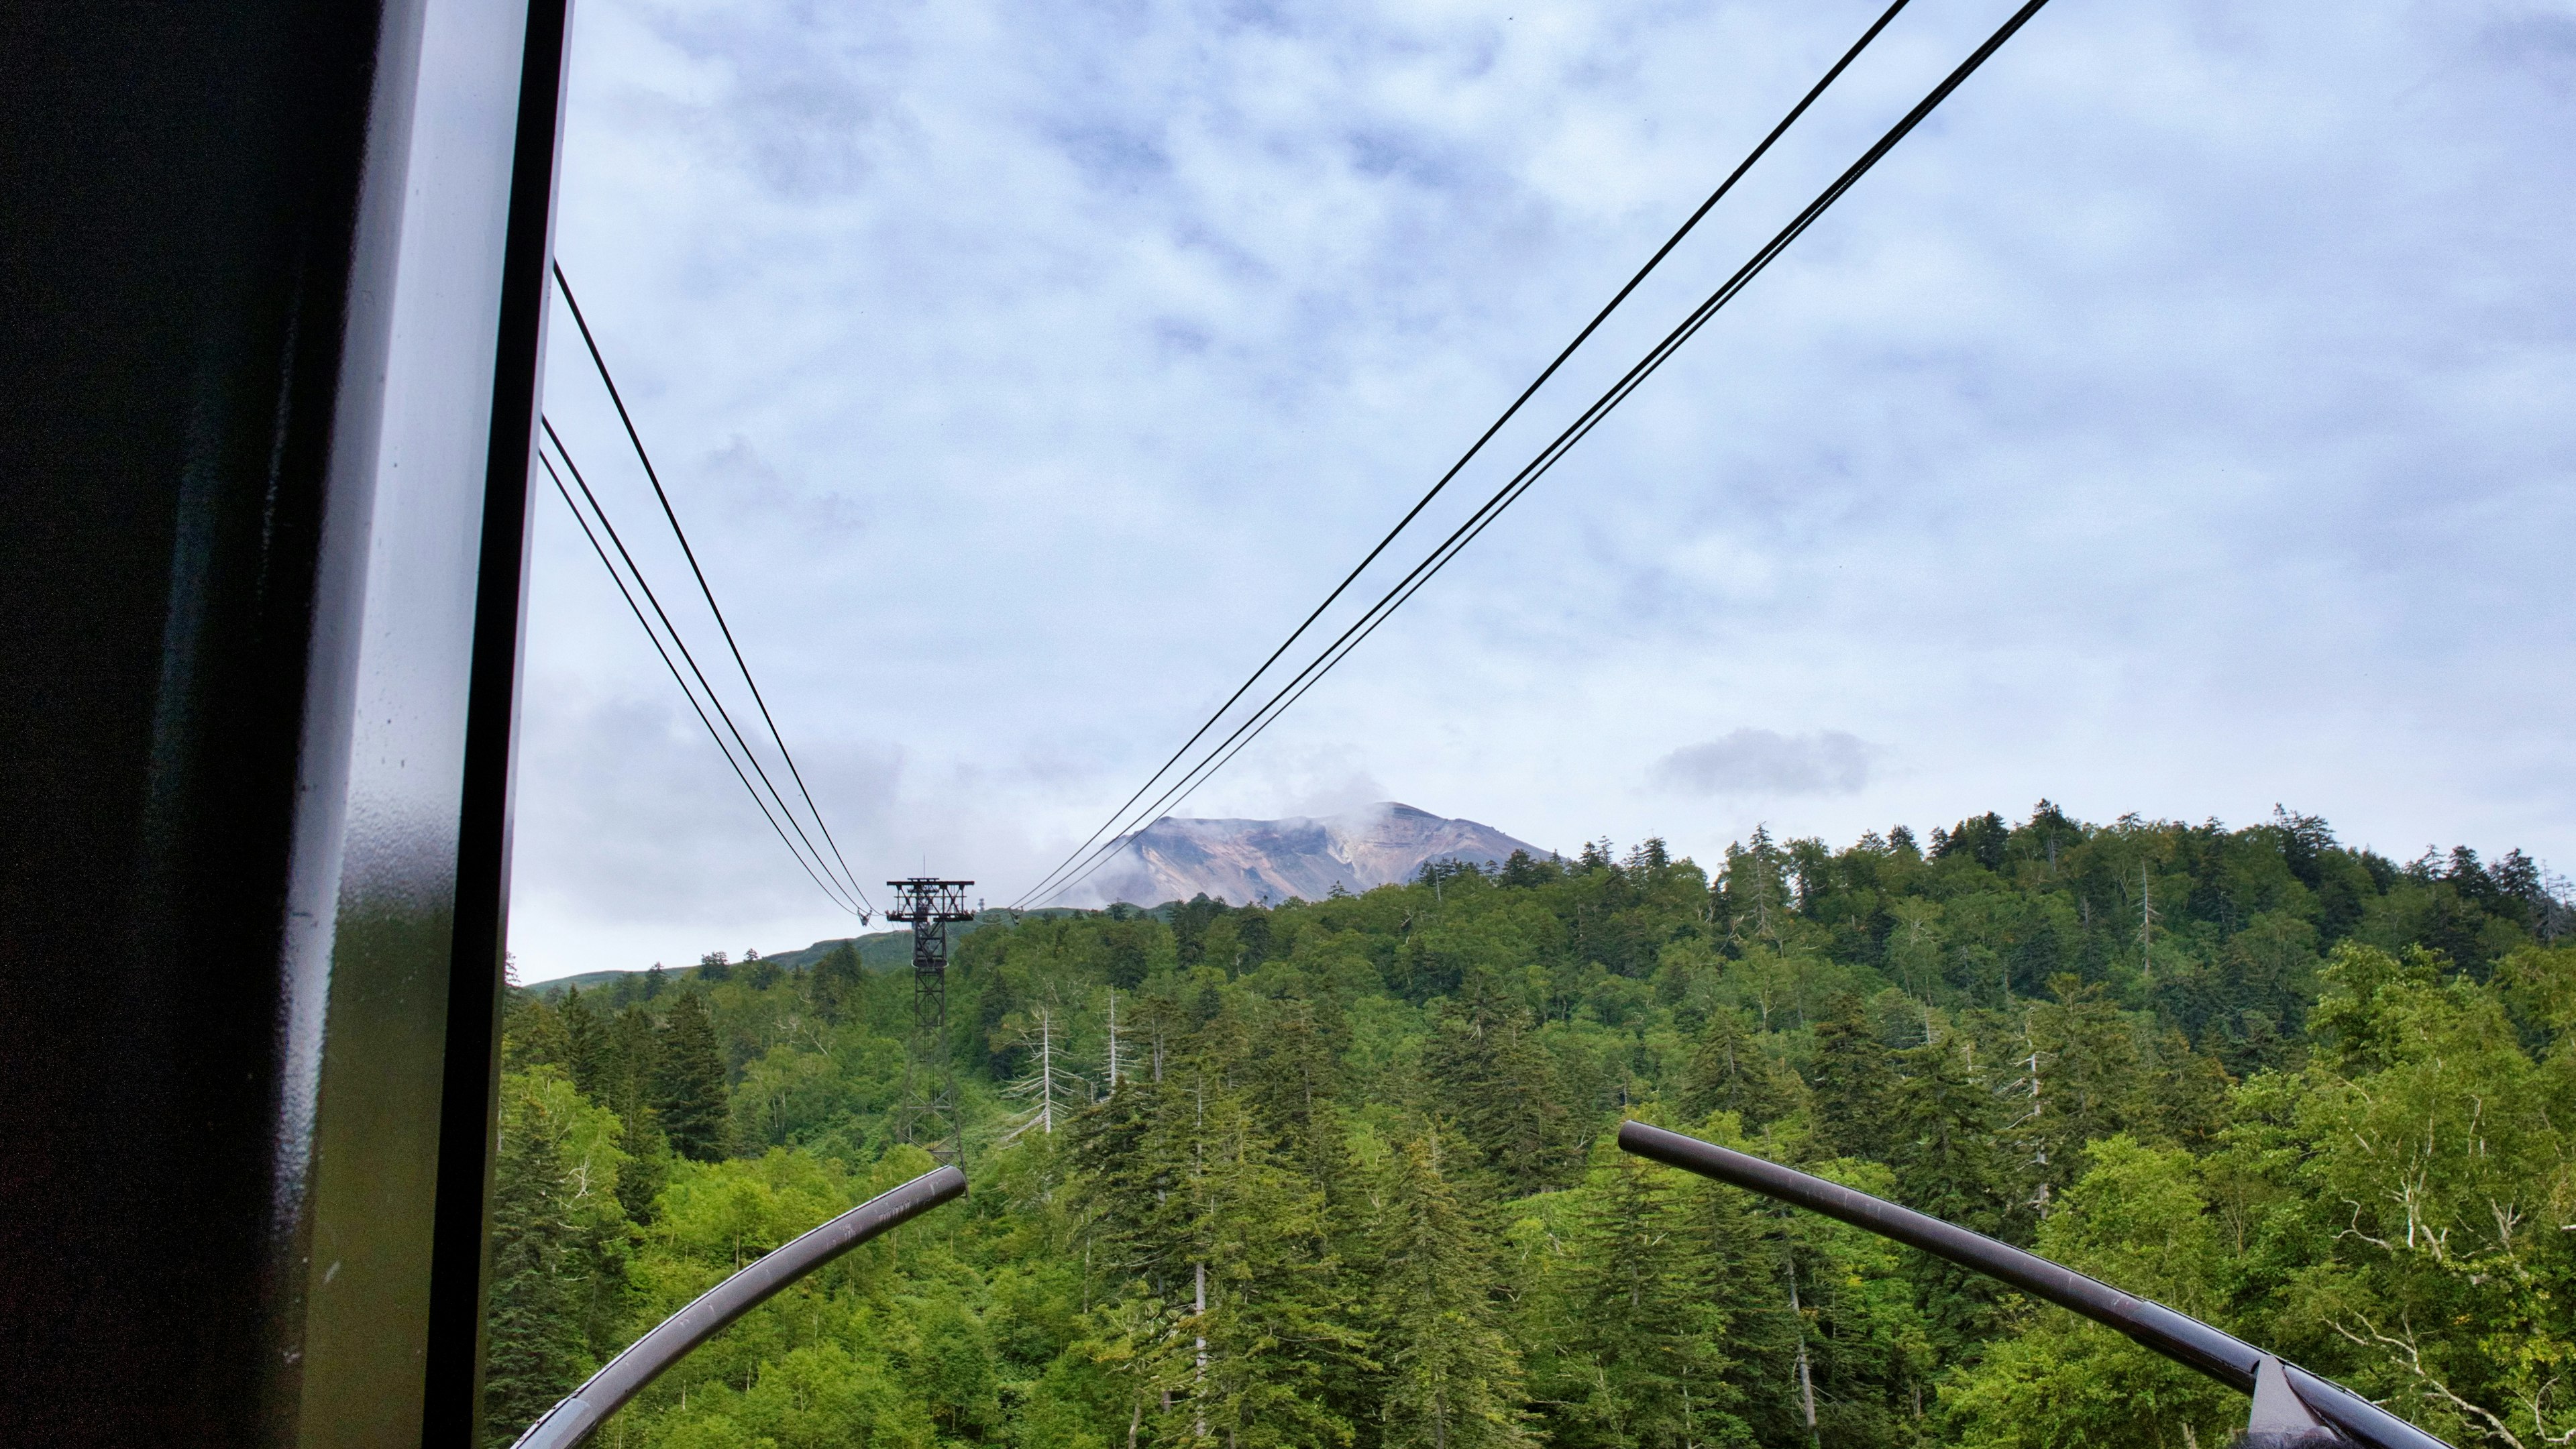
pixel 2180 422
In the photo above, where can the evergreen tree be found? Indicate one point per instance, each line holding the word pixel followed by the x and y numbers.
pixel 627 1068
pixel 1521 872
pixel 587 1046
pixel 1853 1083
pixel 1632 1351
pixel 1981 839
pixel 1751 1251
pixel 1452 1376
pixel 1751 893
pixel 534 1322
pixel 1271 1325
pixel 1729 1072
pixel 838 983
pixel 533 1035
pixel 1492 1078
pixel 2079 1073
pixel 1128 1154
pixel 629 1063
pixel 689 1083
pixel 1947 1163
pixel 1123 1167
pixel 1231 1319
pixel 1293 1084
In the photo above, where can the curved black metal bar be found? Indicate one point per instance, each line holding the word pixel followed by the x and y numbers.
pixel 2186 1340
pixel 572 1420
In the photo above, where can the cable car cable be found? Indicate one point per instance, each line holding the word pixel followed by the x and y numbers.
pixel 831 885
pixel 601 363
pixel 1547 458
pixel 619 580
pixel 1496 426
pixel 682 644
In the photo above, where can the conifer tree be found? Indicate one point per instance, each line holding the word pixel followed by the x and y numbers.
pixel 1494 1080
pixel 1452 1376
pixel 1729 1072
pixel 1852 1084
pixel 586 1046
pixel 1947 1164
pixel 534 1034
pixel 838 983
pixel 1633 1339
pixel 534 1321
pixel 1132 1157
pixel 632 1055
pixel 1522 872
pixel 627 1071
pixel 1748 1243
pixel 1751 892
pixel 1942 1130
pixel 1121 1173
pixel 2090 1064
pixel 689 1085
pixel 1270 1326
pixel 1294 1083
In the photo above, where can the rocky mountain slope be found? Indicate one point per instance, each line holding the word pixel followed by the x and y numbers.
pixel 1245 861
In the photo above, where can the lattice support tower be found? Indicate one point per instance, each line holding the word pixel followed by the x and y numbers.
pixel 929 1117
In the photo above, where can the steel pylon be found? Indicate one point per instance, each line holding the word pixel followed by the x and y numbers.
pixel 928 1115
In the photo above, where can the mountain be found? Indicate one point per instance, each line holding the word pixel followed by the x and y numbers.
pixel 1244 861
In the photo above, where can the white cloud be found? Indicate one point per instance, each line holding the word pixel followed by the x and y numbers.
pixel 1766 764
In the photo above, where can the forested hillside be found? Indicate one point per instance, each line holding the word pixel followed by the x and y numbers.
pixel 1349 1184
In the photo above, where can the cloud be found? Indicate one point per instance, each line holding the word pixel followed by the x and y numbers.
pixel 1750 762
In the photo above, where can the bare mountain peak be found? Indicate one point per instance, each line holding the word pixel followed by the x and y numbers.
pixel 1245 861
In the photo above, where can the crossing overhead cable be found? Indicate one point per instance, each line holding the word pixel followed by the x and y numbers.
pixel 1547 458
pixel 841 889
pixel 1473 449
pixel 1491 429
pixel 650 633
pixel 563 285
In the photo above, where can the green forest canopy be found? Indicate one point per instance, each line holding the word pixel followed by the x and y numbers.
pixel 1353 1186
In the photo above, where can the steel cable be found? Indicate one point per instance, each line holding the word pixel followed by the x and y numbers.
pixel 1491 429
pixel 655 478
pixel 712 733
pixel 673 630
pixel 1546 459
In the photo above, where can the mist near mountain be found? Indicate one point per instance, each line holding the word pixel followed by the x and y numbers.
pixel 1244 862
